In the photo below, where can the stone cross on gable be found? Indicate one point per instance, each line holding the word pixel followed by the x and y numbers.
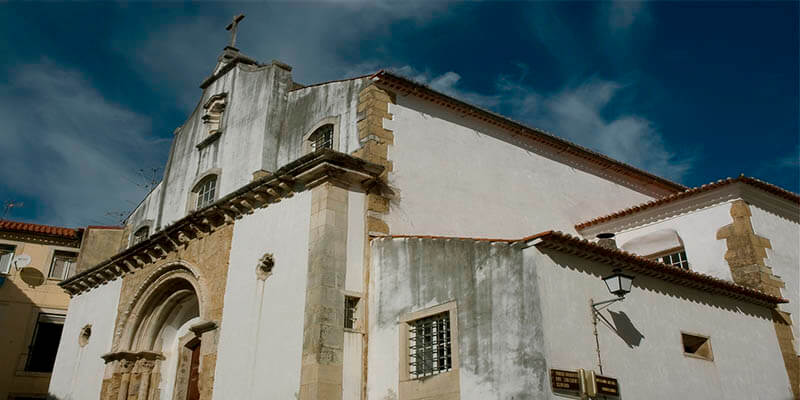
pixel 233 26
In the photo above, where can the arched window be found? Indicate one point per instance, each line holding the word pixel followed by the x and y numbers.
pixel 205 191
pixel 322 138
pixel 140 235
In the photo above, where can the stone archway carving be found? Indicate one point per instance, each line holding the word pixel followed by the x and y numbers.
pixel 171 299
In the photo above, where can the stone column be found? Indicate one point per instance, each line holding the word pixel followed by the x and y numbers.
pixel 125 367
pixel 323 329
pixel 145 368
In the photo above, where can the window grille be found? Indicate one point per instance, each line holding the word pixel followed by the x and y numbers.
pixel 429 346
pixel 322 138
pixel 6 255
pixel 350 312
pixel 140 235
pixel 63 265
pixel 675 259
pixel 205 192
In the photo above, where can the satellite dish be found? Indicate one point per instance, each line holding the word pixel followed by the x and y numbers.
pixel 32 276
pixel 21 261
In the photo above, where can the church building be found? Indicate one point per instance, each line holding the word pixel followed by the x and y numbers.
pixel 372 238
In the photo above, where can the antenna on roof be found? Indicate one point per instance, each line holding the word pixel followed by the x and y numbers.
pixel 9 204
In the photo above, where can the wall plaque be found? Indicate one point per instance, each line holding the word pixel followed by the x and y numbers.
pixel 606 386
pixel 563 381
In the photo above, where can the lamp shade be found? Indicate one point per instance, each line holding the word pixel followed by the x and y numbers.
pixel 618 283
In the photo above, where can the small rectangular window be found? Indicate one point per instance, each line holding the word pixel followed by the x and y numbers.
pixel 697 346
pixel 676 259
pixel 350 312
pixel 63 265
pixel 6 256
pixel 429 345
pixel 43 347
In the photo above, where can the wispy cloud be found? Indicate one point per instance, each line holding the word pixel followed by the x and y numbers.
pixel 69 147
pixel 578 113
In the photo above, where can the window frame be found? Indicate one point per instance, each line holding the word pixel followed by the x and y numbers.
pixel 66 272
pixel 707 342
pixel 46 314
pixel 670 252
pixel 332 120
pixel 357 314
pixel 444 381
pixel 6 248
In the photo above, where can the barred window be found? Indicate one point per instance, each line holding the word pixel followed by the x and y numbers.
pixel 205 191
pixel 430 346
pixel 322 138
pixel 677 259
pixel 350 312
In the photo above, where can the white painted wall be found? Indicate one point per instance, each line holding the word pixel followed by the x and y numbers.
pixel 783 258
pixel 78 371
pixel 457 181
pixel 698 231
pixel 747 360
pixel 351 371
pixel 260 344
pixel 356 208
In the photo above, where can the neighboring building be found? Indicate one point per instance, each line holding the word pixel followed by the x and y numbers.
pixel 330 242
pixel 34 259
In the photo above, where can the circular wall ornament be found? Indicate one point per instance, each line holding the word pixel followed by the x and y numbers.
pixel 264 266
pixel 84 335
pixel 32 276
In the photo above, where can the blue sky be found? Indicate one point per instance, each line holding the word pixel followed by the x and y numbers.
pixel 695 92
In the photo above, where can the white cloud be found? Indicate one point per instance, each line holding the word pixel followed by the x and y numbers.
pixel 579 114
pixel 67 146
pixel 177 56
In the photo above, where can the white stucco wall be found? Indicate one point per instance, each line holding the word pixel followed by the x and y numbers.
pixel 456 180
pixel 698 231
pixel 783 258
pixel 78 371
pixel 747 360
pixel 260 344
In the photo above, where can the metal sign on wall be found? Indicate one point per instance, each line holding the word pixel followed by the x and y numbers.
pixel 567 382
pixel 583 384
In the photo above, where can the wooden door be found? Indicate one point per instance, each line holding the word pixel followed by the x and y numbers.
pixel 194 375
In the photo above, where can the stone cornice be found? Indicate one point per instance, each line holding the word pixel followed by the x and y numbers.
pixel 300 175
pixel 40 239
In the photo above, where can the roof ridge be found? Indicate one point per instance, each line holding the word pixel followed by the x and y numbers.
pixel 543 136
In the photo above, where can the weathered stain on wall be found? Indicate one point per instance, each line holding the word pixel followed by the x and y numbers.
pixel 499 321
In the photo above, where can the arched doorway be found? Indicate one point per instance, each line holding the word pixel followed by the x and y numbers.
pixel 159 345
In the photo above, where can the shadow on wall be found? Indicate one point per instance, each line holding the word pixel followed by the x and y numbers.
pixel 30 337
pixel 643 284
pixel 625 329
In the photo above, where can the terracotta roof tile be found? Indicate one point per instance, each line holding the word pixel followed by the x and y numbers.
pixel 583 248
pixel 637 264
pixel 767 187
pixel 49 230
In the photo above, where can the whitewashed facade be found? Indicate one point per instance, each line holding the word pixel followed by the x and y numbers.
pixel 298 230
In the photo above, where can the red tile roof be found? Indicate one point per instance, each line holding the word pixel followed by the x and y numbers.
pixel 564 242
pixel 397 82
pixel 767 187
pixel 49 230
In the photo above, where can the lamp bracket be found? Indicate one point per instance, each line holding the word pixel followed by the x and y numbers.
pixel 606 303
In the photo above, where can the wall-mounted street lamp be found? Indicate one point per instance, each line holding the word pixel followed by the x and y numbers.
pixel 619 285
